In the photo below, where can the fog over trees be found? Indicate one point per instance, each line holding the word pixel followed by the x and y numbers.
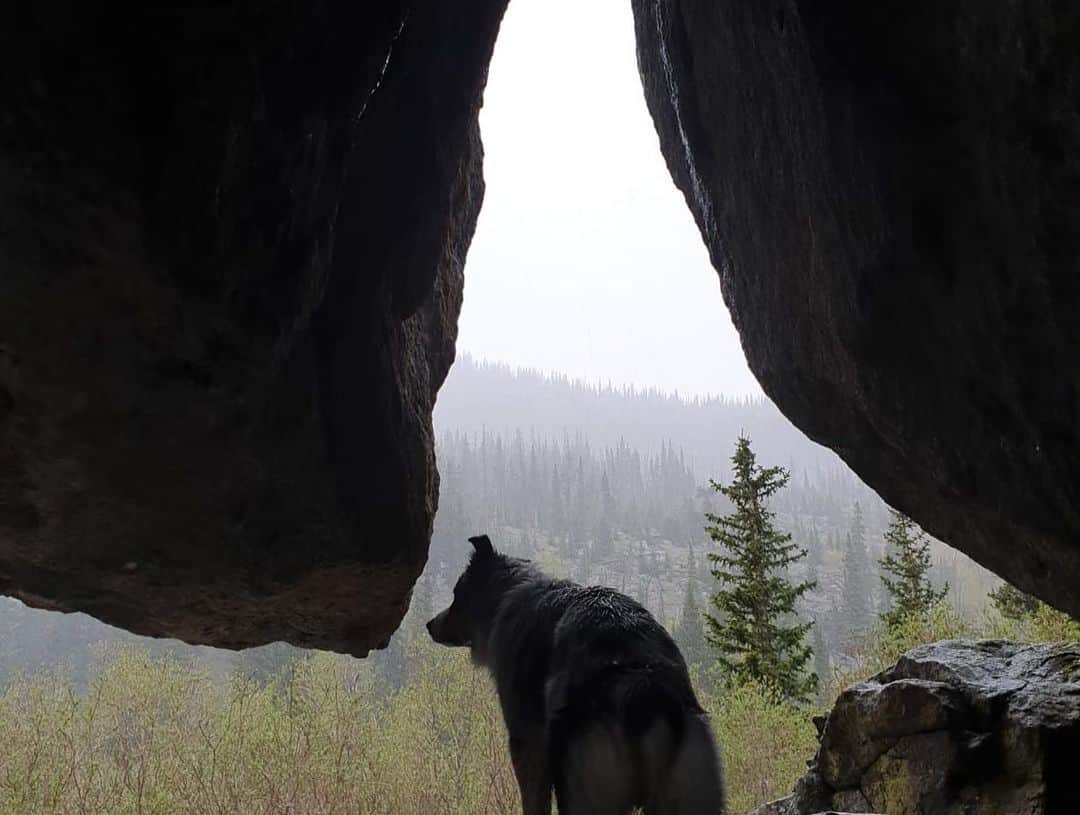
pixel 495 398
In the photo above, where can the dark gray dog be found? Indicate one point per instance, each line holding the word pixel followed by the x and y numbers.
pixel 595 694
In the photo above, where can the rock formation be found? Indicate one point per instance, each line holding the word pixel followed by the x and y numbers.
pixel 954 727
pixel 890 197
pixel 231 250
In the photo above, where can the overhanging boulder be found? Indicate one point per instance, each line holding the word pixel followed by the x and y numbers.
pixel 231 250
pixel 890 198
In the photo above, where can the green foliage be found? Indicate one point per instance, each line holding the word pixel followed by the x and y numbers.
pixel 1013 604
pixel 908 562
pixel 752 631
pixel 765 742
pixel 822 663
pixel 154 736
pixel 1023 618
pixel 881 646
pixel 857 607
pixel 1050 625
pixel 690 632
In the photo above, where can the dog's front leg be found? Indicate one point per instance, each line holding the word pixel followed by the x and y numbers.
pixel 529 756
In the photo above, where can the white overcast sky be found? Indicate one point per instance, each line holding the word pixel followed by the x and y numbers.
pixel 586 260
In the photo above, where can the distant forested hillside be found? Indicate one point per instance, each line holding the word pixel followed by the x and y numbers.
pixel 481 396
pixel 611 485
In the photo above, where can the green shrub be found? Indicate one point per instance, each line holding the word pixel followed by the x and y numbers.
pixel 765 742
pixel 1044 624
pixel 883 644
pixel 154 736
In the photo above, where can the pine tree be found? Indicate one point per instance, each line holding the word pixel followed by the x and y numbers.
pixel 814 560
pixel 690 632
pixel 822 663
pixel 608 518
pixel 1012 603
pixel 857 611
pixel 907 559
pixel 753 632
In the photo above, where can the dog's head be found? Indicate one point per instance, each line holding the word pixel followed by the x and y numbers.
pixel 467 622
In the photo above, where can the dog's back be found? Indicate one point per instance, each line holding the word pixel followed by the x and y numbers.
pixel 624 727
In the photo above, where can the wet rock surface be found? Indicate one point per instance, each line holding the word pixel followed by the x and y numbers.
pixel 889 197
pixel 231 251
pixel 953 727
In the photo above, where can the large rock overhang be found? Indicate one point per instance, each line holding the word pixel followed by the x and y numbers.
pixel 891 197
pixel 231 249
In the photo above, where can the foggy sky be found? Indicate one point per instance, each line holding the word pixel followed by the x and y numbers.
pixel 586 259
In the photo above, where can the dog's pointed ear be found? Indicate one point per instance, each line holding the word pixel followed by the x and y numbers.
pixel 482 545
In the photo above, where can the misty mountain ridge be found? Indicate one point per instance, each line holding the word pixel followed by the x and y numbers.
pixel 493 397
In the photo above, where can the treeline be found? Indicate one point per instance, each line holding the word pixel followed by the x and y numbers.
pixel 632 519
pixel 491 397
pixel 570 492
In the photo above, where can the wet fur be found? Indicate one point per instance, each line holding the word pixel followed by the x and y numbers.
pixel 595 694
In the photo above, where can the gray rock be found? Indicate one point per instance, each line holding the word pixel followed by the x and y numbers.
pixel 851 801
pixel 953 728
pixel 867 720
pixel 781 806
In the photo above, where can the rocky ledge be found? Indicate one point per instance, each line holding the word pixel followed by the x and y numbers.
pixel 232 239
pixel 954 727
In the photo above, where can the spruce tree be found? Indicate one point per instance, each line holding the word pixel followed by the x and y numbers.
pixel 754 631
pixel 690 632
pixel 822 663
pixel 1012 603
pixel 857 610
pixel 814 561
pixel 907 560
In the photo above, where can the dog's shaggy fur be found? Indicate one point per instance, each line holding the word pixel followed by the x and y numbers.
pixel 595 694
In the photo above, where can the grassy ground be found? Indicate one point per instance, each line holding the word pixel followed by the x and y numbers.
pixel 153 735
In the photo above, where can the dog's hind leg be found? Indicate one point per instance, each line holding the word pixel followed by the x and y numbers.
pixel 693 783
pixel 595 775
pixel 528 754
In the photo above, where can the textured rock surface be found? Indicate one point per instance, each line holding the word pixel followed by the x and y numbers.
pixel 231 241
pixel 231 248
pixel 890 196
pixel 953 727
